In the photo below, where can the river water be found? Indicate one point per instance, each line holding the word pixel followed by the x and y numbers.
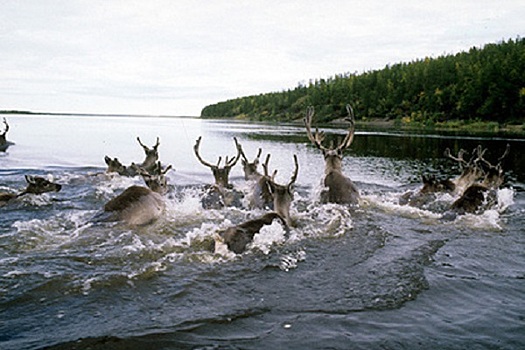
pixel 380 276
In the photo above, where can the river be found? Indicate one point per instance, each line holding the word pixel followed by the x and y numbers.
pixel 380 276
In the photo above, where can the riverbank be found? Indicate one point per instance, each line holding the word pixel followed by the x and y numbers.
pixel 461 126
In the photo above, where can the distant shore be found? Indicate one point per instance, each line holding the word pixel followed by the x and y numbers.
pixel 455 126
pixel 94 114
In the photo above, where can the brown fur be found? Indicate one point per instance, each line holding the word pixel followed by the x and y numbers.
pixel 238 237
pixel 340 189
pixel 282 194
pixel 471 200
pixel 35 185
pixel 129 195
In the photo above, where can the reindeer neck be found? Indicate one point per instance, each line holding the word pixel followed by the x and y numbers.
pixel 332 163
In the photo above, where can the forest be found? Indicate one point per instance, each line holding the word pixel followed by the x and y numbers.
pixel 484 84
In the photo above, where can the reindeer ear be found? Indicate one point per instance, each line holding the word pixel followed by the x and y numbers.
pixel 30 179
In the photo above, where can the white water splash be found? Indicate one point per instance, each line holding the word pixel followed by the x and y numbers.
pixel 326 220
pixel 489 219
pixel 505 199
pixel 291 261
pixel 108 189
pixel 268 236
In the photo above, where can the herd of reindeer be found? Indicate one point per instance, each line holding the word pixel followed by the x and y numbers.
pixel 475 188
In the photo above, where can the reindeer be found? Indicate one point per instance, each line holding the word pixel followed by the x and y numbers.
pixel 340 189
pixel 35 185
pixel 470 170
pixel 139 205
pixel 470 173
pixel 221 193
pixel 152 155
pixel 260 196
pixel 282 195
pixel 482 189
pixel 427 193
pixel 4 144
pixel 115 166
pixel 149 163
pixel 237 237
pixel 250 168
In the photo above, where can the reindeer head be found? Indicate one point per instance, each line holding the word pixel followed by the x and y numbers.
pixel 114 165
pixel 156 179
pixel 432 185
pixel 39 185
pixel 152 154
pixel 470 170
pixel 250 168
pixel 494 174
pixel 332 155
pixel 220 174
pixel 282 194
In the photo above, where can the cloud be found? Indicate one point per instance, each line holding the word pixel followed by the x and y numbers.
pixel 174 57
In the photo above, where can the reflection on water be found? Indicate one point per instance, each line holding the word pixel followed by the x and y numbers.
pixel 378 276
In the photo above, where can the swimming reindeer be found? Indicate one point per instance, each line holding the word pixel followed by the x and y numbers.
pixel 139 205
pixel 239 236
pixel 221 193
pixel 4 144
pixel 474 189
pixel 152 155
pixel 482 191
pixel 282 195
pixel 470 170
pixel 260 196
pixel 340 189
pixel 149 163
pixel 250 168
pixel 428 192
pixel 35 185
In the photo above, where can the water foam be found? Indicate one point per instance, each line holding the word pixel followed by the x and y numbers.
pixel 326 220
pixel 268 236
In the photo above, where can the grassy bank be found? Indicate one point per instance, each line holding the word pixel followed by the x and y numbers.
pixel 455 126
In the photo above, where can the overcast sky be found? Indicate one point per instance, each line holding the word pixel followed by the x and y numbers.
pixel 174 57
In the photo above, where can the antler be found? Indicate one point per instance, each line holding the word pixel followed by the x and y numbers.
pixel 235 159
pixel 462 162
pixel 296 171
pixel 256 160
pixel 6 126
pixel 203 162
pixel 500 159
pixel 157 143
pixel 318 138
pixel 227 164
pixel 265 168
pixel 272 178
pixel 506 153
pixel 349 138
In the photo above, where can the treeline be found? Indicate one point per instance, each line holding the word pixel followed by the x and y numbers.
pixel 483 84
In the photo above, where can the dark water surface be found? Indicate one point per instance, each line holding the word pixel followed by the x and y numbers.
pixel 382 276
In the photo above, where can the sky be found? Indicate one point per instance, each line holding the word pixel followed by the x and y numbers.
pixel 174 57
